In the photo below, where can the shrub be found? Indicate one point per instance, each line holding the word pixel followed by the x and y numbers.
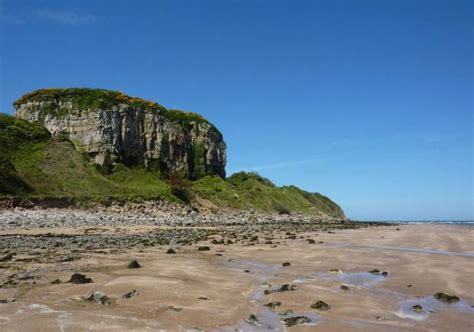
pixel 181 188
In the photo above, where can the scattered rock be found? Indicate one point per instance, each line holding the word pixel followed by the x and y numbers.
pixel 286 264
pixel 98 297
pixel 273 305
pixel 78 278
pixel 253 320
pixel 446 298
pixel 311 241
pixel 134 265
pixel 56 282
pixel 379 273
pixel 130 294
pixel 203 298
pixel 171 251
pixel 345 288
pixel 204 248
pixel 173 308
pixel 6 301
pixel 295 320
pixel 286 312
pixel 417 308
pixel 283 288
pixel 320 305
pixel 335 271
pixel 287 288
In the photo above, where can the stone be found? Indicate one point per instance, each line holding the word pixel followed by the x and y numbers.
pixel 6 301
pixel 311 241
pixel 296 320
pixel 173 308
pixel 253 320
pixel 98 297
pixel 273 305
pixel 378 272
pixel 287 288
pixel 446 298
pixel 286 264
pixel 345 288
pixel 170 251
pixel 130 294
pixel 286 313
pixel 204 248
pixel 320 305
pixel 134 265
pixel 78 278
pixel 56 282
pixel 417 308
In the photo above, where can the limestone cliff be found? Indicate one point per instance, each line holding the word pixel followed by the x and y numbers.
pixel 114 128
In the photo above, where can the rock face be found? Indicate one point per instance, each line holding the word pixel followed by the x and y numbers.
pixel 114 128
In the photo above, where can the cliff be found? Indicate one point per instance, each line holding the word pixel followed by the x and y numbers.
pixel 112 128
pixel 50 153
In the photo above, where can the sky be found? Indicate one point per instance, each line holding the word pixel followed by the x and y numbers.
pixel 367 102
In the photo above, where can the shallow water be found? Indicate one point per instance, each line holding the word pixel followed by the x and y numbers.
pixel 406 249
pixel 360 279
pixel 268 320
pixel 430 305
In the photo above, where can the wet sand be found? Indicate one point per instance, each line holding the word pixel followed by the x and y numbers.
pixel 217 290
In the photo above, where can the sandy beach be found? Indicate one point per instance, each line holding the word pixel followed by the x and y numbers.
pixel 239 276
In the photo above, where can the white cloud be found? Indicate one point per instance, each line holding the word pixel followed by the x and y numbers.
pixel 67 16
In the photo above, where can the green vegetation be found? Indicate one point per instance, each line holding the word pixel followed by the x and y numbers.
pixel 15 133
pixel 199 167
pixel 85 99
pixel 33 165
pixel 249 190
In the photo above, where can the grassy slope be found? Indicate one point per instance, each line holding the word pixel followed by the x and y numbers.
pixel 249 190
pixel 34 165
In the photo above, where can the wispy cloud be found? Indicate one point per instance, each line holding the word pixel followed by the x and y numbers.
pixel 435 138
pixel 66 16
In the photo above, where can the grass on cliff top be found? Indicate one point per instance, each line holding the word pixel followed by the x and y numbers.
pixel 87 99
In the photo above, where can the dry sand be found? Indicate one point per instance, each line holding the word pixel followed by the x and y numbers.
pixel 210 290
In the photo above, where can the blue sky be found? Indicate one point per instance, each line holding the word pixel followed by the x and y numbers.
pixel 367 102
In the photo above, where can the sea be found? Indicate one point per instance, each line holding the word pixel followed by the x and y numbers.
pixel 417 222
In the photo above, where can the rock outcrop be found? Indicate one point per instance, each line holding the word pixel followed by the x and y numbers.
pixel 114 128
